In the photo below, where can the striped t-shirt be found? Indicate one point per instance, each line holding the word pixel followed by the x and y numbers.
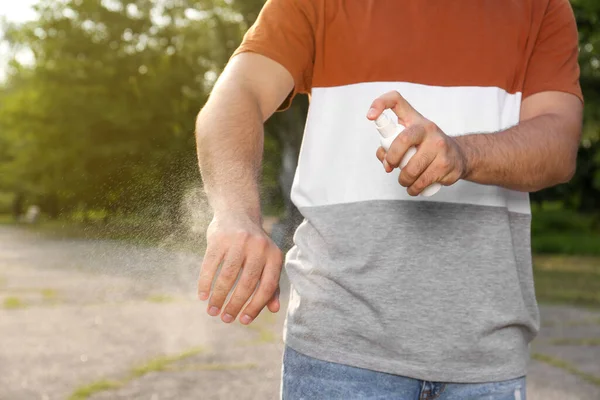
pixel 437 288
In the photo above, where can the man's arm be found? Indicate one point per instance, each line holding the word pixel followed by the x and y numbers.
pixel 230 144
pixel 539 152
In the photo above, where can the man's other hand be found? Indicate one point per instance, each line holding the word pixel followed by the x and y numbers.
pixel 439 157
pixel 247 255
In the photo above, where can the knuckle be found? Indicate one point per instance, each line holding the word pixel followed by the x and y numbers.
pixel 269 287
pixel 405 138
pixel 444 164
pixel 228 274
pixel 426 181
pixel 253 274
pixel 237 299
pixel 242 236
pixel 214 239
pixel 430 126
pixel 410 172
pixel 441 144
pixel 260 241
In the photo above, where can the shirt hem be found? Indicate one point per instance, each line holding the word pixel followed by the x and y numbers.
pixel 401 368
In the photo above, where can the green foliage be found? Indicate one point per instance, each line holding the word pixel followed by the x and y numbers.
pixel 560 231
pixel 568 280
pixel 563 222
pixel 583 192
pixel 104 118
pixel 574 244
pixel 6 200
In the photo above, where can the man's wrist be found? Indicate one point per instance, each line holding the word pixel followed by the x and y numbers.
pixel 470 154
pixel 239 214
pixel 464 156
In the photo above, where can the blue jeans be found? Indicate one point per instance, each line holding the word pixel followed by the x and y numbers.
pixel 306 378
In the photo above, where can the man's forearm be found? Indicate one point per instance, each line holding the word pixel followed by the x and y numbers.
pixel 528 157
pixel 230 135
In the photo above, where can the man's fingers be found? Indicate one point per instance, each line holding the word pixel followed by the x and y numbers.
pixel 381 156
pixel 412 136
pixel 429 174
pixel 269 283
pixel 274 304
pixel 251 273
pixel 394 101
pixel 226 279
pixel 210 265
pixel 417 166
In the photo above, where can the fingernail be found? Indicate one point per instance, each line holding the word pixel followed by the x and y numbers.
pixel 213 311
pixel 227 318
pixel 246 319
pixel 371 113
pixel 203 296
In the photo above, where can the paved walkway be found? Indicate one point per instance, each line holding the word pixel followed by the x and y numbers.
pixel 104 320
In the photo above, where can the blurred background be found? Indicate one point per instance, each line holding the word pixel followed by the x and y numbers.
pixel 102 216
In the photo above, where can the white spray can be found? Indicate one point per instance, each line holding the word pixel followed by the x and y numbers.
pixel 389 130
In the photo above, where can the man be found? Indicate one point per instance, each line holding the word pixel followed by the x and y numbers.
pixel 394 295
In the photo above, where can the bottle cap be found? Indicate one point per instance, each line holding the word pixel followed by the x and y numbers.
pixel 386 126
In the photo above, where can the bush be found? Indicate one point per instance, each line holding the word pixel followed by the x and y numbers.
pixel 555 231
pixel 566 243
pixel 562 221
pixel 6 200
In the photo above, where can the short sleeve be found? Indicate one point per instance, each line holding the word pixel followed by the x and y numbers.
pixel 553 65
pixel 285 32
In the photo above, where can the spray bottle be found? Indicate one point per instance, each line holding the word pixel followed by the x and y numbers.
pixel 389 131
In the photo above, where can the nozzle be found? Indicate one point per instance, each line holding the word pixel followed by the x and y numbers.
pixel 386 126
pixel 382 121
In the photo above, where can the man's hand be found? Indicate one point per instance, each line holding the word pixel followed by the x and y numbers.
pixel 439 158
pixel 245 251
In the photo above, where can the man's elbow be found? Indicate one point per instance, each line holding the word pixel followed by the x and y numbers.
pixel 562 173
pixel 567 172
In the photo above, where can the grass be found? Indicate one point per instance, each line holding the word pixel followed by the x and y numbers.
pixel 162 363
pixel 157 364
pixel 87 391
pixel 576 342
pixel 583 322
pixel 141 232
pixel 264 327
pixel 568 280
pixel 13 303
pixel 49 294
pixel 160 298
pixel 215 367
pixel 555 362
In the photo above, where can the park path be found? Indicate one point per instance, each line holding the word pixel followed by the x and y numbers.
pixel 117 321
